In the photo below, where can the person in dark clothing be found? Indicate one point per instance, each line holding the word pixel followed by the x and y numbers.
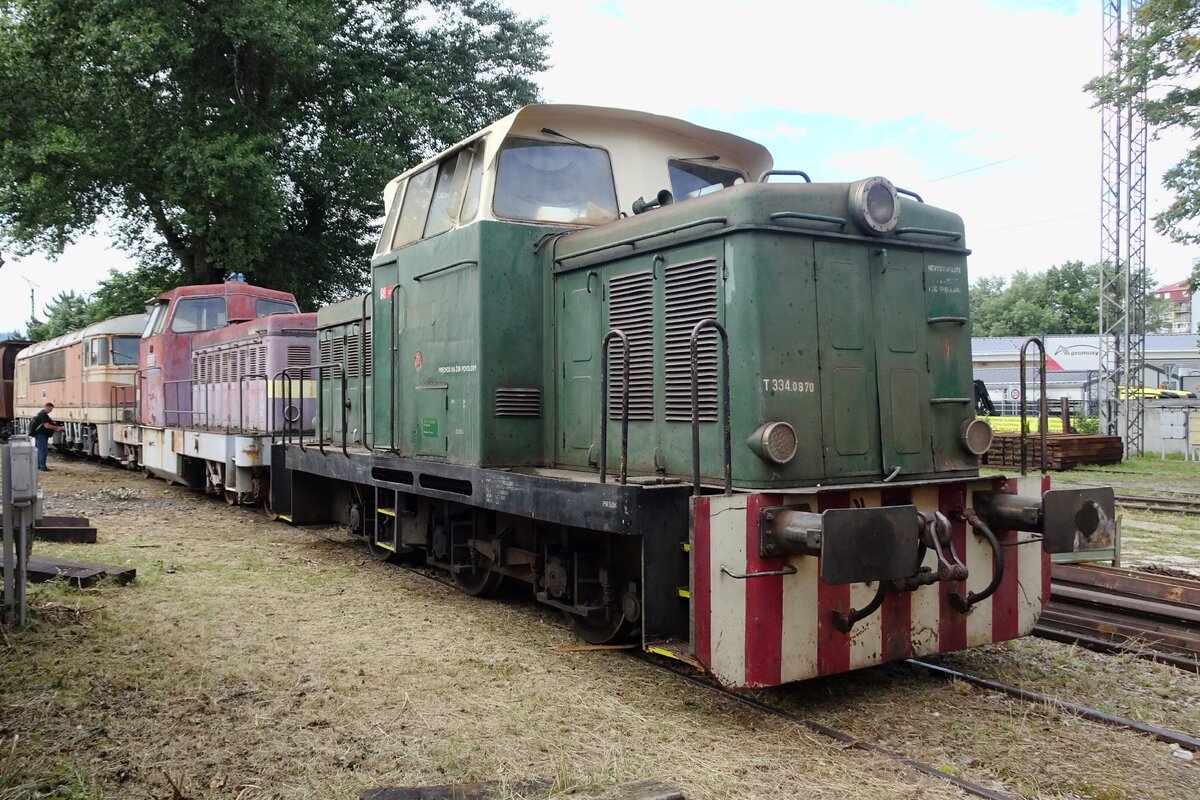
pixel 41 429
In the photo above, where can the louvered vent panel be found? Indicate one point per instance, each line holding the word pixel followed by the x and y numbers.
pixel 324 352
pixel 518 402
pixel 631 309
pixel 690 295
pixel 369 352
pixel 352 356
pixel 298 356
pixel 196 361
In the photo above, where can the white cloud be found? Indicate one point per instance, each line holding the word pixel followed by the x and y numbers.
pixel 1005 78
pixel 78 269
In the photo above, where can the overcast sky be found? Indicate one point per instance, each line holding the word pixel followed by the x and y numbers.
pixel 976 104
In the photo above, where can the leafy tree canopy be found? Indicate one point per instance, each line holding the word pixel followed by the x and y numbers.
pixel 251 136
pixel 1062 299
pixel 119 294
pixel 1159 72
pixel 67 312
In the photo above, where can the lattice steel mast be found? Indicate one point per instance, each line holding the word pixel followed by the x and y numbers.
pixel 1123 137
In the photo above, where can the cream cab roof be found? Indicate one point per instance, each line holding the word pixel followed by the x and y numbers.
pixel 131 324
pixel 639 145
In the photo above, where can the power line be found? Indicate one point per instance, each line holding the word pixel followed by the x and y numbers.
pixel 972 169
pixel 1035 222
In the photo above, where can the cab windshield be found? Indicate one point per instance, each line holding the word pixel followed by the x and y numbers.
pixel 560 182
pixel 693 179
pixel 124 350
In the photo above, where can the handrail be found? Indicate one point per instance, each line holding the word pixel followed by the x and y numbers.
pixel 179 411
pixel 608 337
pixel 911 194
pixel 702 325
pixel 285 431
pixel 797 172
pixel 320 427
pixel 392 390
pixel 640 237
pixel 464 263
pixel 839 221
pixel 362 369
pixel 1043 421
pixel 241 397
pixel 955 235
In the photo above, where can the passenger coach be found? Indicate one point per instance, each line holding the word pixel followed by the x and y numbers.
pixel 90 377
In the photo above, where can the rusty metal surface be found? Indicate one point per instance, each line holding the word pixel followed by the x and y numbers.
pixel 1111 608
pixel 1078 519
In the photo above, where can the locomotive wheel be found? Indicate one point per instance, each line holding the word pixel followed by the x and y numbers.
pixel 616 630
pixel 478 582
pixel 231 497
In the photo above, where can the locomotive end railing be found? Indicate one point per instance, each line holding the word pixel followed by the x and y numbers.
pixel 702 326
pixel 604 347
pixel 1043 420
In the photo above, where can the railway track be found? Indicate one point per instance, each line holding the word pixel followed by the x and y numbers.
pixel 1183 503
pixel 699 680
pixel 1120 610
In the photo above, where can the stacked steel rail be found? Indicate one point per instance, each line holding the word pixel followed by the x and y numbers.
pixel 1110 609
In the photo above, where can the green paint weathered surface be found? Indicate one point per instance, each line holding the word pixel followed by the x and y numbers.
pixel 857 341
pixel 338 329
pixel 464 319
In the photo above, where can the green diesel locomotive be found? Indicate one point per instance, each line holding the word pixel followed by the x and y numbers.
pixel 619 358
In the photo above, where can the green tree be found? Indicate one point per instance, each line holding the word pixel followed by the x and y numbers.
pixel 67 312
pixel 251 136
pixel 1061 299
pixel 1159 71
pixel 127 292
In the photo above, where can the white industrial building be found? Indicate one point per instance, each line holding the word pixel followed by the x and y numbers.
pixel 1072 367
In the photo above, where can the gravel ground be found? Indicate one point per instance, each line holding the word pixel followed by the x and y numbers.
pixel 254 660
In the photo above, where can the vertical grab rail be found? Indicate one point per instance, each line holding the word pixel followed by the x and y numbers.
pixel 702 325
pixel 1043 421
pixel 393 395
pixel 362 370
pixel 608 337
pixel 271 406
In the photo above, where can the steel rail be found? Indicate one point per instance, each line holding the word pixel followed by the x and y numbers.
pixel 967 786
pixel 850 741
pixel 1185 510
pixel 1161 734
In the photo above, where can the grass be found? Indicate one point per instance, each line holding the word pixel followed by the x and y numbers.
pixel 252 660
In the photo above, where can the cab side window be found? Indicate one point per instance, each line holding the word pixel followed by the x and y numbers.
pixel 389 225
pixel 265 308
pixel 97 352
pixel 415 207
pixel 447 194
pixel 437 197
